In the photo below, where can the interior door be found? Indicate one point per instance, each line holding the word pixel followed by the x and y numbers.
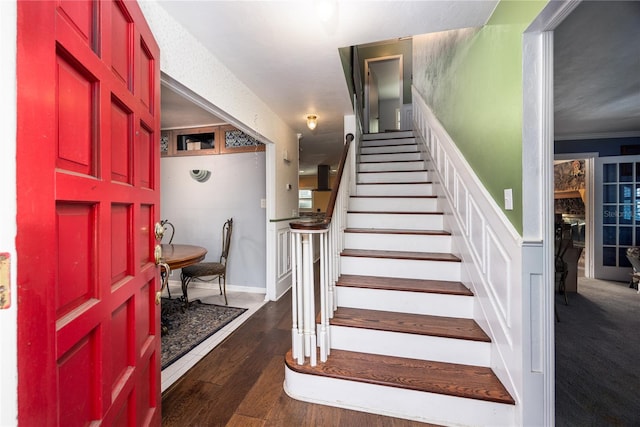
pixel 88 198
pixel 617 219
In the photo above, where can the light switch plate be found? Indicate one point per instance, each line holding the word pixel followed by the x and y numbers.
pixel 508 199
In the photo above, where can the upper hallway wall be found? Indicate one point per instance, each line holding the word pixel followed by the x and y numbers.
pixel 472 80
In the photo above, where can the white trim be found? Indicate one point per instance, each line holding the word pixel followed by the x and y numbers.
pixel 367 84
pixel 487 243
pixel 537 184
pixel 598 135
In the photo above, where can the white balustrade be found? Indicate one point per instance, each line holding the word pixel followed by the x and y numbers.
pixel 306 336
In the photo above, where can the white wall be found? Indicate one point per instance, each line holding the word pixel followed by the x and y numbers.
pixel 186 61
pixel 198 211
pixel 8 323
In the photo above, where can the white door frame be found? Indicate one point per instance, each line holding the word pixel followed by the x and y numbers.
pixel 367 83
pixel 538 231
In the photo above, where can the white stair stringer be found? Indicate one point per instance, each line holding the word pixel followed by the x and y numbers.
pixel 397 402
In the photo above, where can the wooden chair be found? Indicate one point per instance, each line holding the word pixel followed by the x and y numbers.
pixel 633 255
pixel 208 271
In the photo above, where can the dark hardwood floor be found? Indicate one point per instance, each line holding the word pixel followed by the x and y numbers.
pixel 240 383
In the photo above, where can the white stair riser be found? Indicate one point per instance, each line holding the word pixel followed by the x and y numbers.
pixel 387 136
pixel 390 157
pixel 398 242
pixel 394 189
pixel 405 176
pixel 392 166
pixel 395 220
pixel 404 268
pixel 394 204
pixel 420 406
pixel 412 346
pixel 380 142
pixel 406 302
pixel 409 148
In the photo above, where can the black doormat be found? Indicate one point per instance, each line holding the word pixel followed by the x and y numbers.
pixel 188 327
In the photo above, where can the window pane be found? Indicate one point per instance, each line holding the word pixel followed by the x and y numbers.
pixel 305 203
pixel 608 235
pixel 626 172
pixel 625 215
pixel 304 194
pixel 609 173
pixel 609 193
pixel 624 236
pixel 609 257
pixel 626 191
pixel 609 214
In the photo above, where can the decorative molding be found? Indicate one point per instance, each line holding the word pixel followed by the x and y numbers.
pixel 485 240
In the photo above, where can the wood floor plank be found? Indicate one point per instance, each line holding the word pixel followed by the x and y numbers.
pixel 400 284
pixel 242 421
pixel 419 324
pixel 264 394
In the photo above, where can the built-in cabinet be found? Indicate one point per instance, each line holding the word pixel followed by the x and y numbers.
pixel 206 140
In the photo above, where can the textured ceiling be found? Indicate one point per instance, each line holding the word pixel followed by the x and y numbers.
pixel 288 57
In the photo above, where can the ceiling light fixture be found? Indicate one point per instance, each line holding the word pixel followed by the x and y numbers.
pixel 312 121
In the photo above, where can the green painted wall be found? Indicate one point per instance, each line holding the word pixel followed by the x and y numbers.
pixel 472 79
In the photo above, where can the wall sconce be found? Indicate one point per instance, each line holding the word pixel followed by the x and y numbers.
pixel 312 121
pixel 200 175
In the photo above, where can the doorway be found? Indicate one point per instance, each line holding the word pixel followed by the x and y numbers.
pixel 383 93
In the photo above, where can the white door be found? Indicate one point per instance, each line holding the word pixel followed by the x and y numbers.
pixel 617 219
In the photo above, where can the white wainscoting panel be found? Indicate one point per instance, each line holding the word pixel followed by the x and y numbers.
pixel 487 243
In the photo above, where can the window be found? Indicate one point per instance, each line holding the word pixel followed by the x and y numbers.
pixel 305 199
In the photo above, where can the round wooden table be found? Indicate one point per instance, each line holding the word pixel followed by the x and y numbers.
pixel 178 256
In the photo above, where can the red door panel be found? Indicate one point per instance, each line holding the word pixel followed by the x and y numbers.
pixel 88 199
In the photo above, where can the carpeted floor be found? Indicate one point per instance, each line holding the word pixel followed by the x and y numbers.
pixel 186 328
pixel 598 356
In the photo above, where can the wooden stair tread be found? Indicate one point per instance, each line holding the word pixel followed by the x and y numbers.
pixel 397 231
pixel 356 196
pixel 396 212
pixel 395 171
pixel 401 284
pixel 419 324
pixel 473 382
pixel 394 183
pixel 421 256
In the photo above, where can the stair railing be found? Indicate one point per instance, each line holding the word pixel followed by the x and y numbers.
pixel 329 231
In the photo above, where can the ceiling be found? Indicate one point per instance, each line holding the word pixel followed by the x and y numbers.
pixel 286 52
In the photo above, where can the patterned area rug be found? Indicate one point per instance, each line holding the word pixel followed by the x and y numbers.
pixel 186 328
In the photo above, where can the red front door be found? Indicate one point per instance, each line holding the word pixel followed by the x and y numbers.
pixel 88 198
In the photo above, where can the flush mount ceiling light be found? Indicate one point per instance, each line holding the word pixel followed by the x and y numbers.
pixel 312 121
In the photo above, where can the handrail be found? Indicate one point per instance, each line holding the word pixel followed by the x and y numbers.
pixel 324 223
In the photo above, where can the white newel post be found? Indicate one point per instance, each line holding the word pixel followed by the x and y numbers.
pixel 303 333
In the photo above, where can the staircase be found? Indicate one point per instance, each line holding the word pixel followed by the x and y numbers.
pixel 403 339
